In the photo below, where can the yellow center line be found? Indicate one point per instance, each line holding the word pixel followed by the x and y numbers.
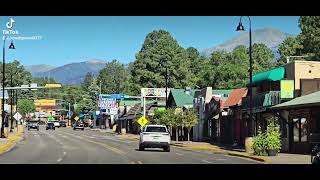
pixel 116 150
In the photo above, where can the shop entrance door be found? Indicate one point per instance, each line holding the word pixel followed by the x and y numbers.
pixel 299 134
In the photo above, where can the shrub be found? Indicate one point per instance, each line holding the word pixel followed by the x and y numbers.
pixel 259 144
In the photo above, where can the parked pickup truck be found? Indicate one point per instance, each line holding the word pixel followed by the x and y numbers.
pixel 154 136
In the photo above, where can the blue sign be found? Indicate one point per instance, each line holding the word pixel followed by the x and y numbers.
pixel 119 96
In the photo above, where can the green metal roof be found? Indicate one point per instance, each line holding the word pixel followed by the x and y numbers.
pixel 303 101
pixel 271 75
pixel 221 91
pixel 181 98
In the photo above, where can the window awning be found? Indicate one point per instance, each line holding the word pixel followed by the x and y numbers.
pixel 271 75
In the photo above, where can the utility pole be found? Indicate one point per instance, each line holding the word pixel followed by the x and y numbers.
pixel 69 116
pixel 11 103
pixel 100 86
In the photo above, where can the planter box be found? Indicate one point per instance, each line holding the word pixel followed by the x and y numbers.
pixel 272 152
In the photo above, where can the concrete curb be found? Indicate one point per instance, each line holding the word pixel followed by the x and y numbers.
pixel 218 150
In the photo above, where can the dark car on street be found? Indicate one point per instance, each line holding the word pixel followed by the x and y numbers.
pixel 63 124
pixel 50 125
pixel 33 125
pixel 78 125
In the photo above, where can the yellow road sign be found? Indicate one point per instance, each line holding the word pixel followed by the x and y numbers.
pixel 76 118
pixel 142 121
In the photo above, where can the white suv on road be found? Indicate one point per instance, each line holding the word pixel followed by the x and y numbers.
pixel 155 136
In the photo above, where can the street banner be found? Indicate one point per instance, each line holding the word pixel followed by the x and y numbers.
pixel 107 103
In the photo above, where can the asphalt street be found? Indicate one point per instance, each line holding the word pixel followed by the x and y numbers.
pixel 66 146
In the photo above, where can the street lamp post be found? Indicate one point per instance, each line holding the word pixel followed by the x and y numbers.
pixel 3 83
pixel 241 28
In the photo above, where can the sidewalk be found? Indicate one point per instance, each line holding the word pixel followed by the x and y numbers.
pixel 281 158
pixel 12 138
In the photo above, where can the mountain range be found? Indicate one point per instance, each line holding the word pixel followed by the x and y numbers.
pixel 272 38
pixel 74 73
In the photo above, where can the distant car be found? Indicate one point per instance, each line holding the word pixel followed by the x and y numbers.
pixel 155 136
pixel 63 124
pixel 33 125
pixel 50 125
pixel 79 125
pixel 56 124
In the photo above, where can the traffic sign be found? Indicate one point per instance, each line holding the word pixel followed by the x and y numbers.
pixel 142 121
pixel 76 118
pixel 17 116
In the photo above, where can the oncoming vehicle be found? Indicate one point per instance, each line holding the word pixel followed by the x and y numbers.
pixel 63 124
pixel 56 123
pixel 50 125
pixel 155 136
pixel 33 125
pixel 78 125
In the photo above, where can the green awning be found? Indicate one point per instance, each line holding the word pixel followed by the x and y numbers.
pixel 272 75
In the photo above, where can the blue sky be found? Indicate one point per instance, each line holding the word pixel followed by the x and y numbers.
pixel 67 39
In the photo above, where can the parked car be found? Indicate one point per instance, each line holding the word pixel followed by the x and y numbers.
pixel 50 125
pixel 56 124
pixel 33 125
pixel 154 136
pixel 78 125
pixel 63 124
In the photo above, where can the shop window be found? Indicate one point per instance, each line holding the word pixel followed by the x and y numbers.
pixel 296 128
pixel 304 132
pixel 300 132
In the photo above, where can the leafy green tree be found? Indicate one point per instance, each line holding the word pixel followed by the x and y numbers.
pixel 289 47
pixel 161 50
pixel 262 58
pixel 87 81
pixel 26 106
pixel 72 94
pixel 310 35
pixel 189 119
pixel 112 77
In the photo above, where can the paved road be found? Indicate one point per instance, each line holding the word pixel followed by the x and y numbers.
pixel 67 146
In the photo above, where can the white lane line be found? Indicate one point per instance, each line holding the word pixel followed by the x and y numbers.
pixel 139 162
pixel 64 153
pixel 207 161
pixel 37 135
pixel 179 154
pixel 60 159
